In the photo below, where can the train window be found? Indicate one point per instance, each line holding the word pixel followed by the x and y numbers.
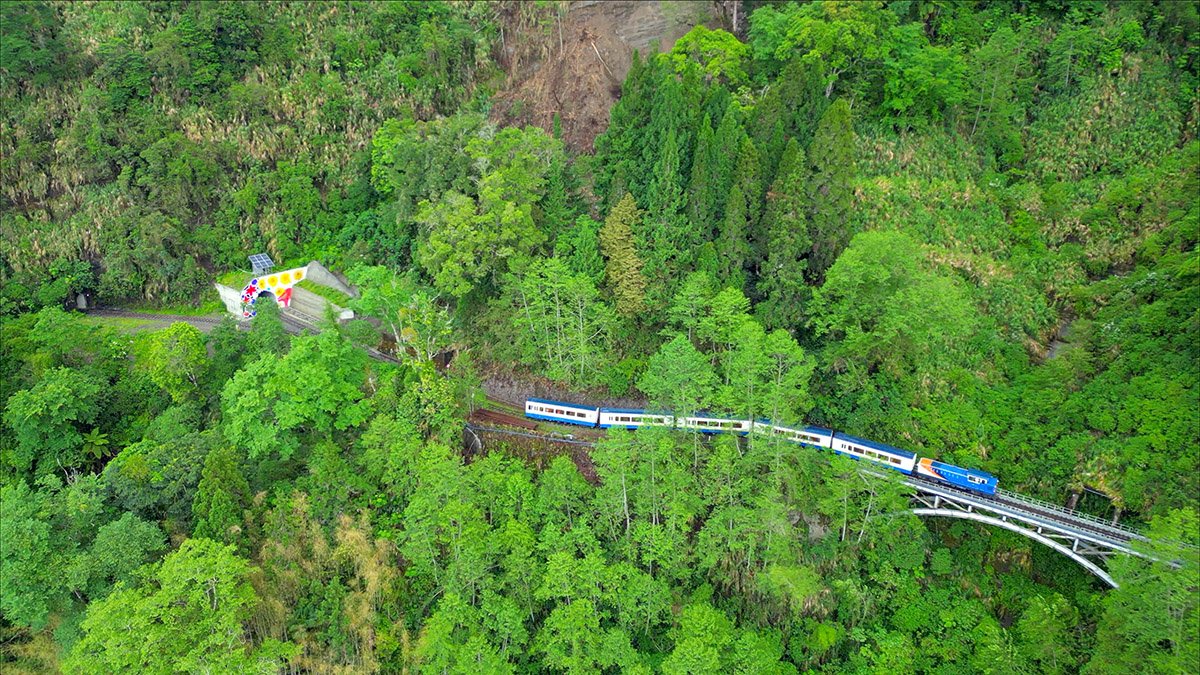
pixel 976 479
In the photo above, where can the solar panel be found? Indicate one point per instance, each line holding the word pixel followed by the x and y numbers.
pixel 261 263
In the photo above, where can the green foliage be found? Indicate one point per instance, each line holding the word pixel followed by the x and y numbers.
pixel 1150 621
pixel 562 326
pixel 170 159
pixel 331 294
pixel 831 171
pixel 186 615
pixel 885 311
pixel 32 47
pixel 579 247
pixel 48 419
pixel 623 269
pixel 786 226
pixel 474 240
pixel 420 327
pixel 838 36
pixel 267 333
pixel 176 359
pixel 968 229
pixel 716 53
pixel 315 389
pixel 678 378
pixel 220 498
pixel 34 568
pixel 740 225
pixel 1137 119
pixel 923 81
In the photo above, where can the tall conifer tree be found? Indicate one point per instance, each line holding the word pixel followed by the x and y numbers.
pixel 669 239
pixel 700 188
pixel 831 160
pixel 618 149
pixel 741 215
pixel 558 206
pixel 713 167
pixel 624 268
pixel 726 144
pixel 785 221
pixel 791 108
pixel 222 494
pixel 668 116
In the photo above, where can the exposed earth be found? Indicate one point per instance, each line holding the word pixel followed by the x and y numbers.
pixel 572 64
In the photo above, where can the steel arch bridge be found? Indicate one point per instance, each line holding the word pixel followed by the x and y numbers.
pixel 1090 542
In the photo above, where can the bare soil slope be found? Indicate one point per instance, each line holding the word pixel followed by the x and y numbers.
pixel 572 63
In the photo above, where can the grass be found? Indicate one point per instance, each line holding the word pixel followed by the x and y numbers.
pixel 234 279
pixel 331 294
pixel 123 324
pixel 210 305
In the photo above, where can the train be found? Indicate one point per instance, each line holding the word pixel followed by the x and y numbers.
pixel 897 459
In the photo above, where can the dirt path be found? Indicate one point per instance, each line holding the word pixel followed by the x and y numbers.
pixel 205 323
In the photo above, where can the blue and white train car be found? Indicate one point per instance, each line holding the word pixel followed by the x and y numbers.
pixel 715 425
pixel 623 418
pixel 880 453
pixel 557 411
pixel 970 479
pixel 815 437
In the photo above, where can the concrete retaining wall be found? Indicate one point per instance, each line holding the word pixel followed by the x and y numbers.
pixel 316 273
pixel 232 298
pixel 311 304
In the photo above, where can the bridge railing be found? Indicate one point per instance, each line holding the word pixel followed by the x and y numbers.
pixel 1072 514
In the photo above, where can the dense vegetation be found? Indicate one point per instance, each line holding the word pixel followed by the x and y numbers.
pixel 968 229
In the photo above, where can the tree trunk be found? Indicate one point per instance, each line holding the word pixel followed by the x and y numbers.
pixel 1073 501
pixel 625 502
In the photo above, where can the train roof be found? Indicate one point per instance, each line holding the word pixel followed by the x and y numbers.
pixel 883 447
pixel 802 427
pixel 623 410
pixel 562 403
pixel 978 472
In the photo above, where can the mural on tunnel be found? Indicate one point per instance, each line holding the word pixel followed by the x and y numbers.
pixel 278 284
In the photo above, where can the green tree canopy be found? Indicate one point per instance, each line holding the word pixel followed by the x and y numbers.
pixel 624 267
pixel 187 615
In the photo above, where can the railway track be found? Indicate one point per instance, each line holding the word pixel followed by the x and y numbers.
pixel 494 421
pixel 164 318
pixel 492 417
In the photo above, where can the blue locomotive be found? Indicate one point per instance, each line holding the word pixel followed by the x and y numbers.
pixel 816 437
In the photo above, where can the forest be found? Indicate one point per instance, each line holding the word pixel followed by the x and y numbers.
pixel 968 229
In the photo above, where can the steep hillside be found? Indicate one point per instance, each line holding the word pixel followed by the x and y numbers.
pixel 569 61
